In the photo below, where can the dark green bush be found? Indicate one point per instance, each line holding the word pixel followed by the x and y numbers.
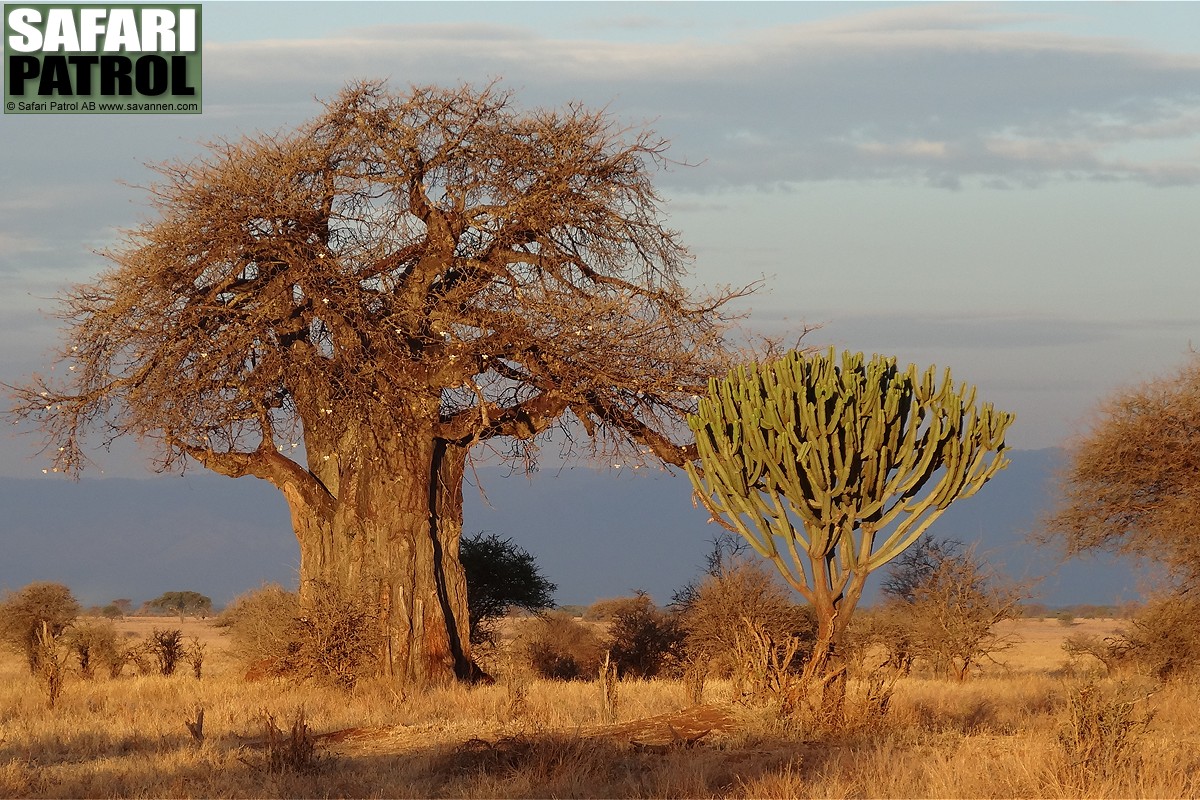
pixel 500 575
pixel 644 640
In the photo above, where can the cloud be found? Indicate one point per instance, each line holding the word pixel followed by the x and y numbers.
pixel 15 244
pixel 941 93
pixel 977 333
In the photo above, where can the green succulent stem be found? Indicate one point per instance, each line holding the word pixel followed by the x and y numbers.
pixel 831 466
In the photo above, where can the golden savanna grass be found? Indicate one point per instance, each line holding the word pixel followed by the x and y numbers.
pixel 1028 728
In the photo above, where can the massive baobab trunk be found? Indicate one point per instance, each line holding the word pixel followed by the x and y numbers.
pixel 390 536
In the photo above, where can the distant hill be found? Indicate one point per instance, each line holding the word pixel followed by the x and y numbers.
pixel 595 534
pixel 138 538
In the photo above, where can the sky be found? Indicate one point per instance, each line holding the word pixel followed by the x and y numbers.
pixel 1009 190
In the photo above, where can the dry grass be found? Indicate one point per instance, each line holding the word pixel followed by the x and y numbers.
pixel 1038 642
pixel 1003 734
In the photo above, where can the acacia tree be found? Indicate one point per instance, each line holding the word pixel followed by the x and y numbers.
pixel 831 467
pixel 500 575
pixel 348 309
pixel 1132 482
pixel 182 602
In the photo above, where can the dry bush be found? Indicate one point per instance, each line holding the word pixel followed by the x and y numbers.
pixel 1114 653
pixel 140 656
pixel 51 663
pixel 337 638
pixel 260 624
pixel 328 637
pixel 1162 640
pixel 293 750
pixel 23 614
pixel 644 640
pixel 561 648
pixel 943 606
pixel 1164 637
pixel 94 644
pixel 194 654
pixel 166 647
pixel 728 616
pixel 1099 729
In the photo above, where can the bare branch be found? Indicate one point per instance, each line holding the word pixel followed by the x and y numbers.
pixel 438 260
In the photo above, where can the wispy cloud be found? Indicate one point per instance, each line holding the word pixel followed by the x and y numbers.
pixel 940 92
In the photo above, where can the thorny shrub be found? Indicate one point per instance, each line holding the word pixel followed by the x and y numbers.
pixel 559 647
pixel 728 616
pixel 94 644
pixel 166 647
pixel 644 640
pixel 329 637
pixel 1099 729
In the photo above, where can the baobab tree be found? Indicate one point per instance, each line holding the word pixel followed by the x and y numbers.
pixel 349 309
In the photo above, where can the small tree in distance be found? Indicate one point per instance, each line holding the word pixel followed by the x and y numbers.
pixel 500 575
pixel 182 603
pixel 831 467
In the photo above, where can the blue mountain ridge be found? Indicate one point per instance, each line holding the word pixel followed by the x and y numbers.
pixel 594 533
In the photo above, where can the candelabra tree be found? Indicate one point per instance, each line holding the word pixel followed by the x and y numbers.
pixel 830 467
pixel 351 309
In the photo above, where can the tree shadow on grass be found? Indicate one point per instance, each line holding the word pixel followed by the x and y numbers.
pixel 640 759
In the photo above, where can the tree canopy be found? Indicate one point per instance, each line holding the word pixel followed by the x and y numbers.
pixel 500 575
pixel 440 252
pixel 23 612
pixel 1132 481
pixel 181 603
